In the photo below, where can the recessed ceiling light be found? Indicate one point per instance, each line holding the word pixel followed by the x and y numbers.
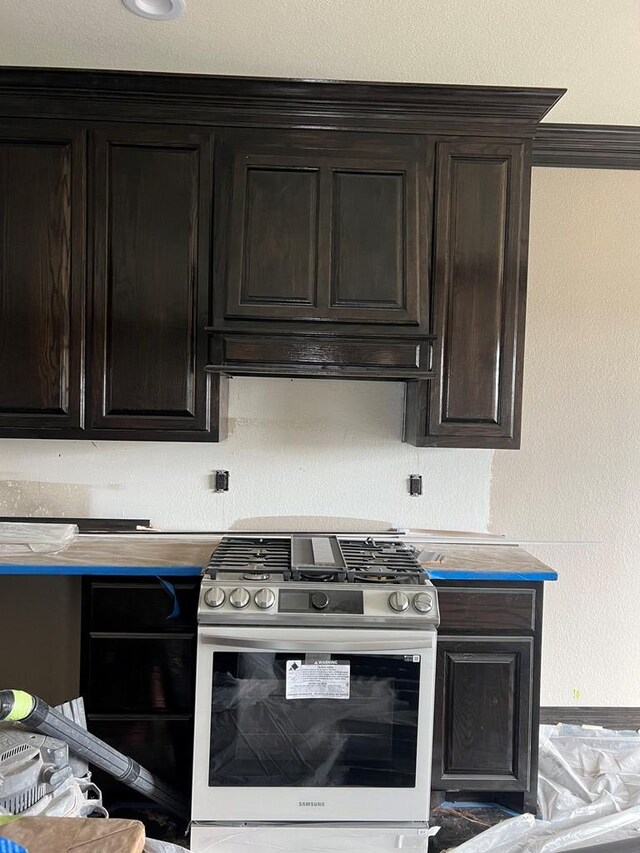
pixel 156 10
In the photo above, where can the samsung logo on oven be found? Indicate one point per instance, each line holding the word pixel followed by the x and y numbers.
pixel 312 803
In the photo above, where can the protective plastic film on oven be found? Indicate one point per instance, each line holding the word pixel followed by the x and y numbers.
pixel 296 720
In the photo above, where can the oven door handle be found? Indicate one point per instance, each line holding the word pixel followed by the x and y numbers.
pixel 242 644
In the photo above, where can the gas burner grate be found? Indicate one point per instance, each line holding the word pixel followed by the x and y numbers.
pixel 336 560
pixel 387 562
pixel 257 556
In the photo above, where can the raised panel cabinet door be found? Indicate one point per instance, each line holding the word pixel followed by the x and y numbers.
pixel 41 278
pixel 483 714
pixel 327 226
pixel 479 283
pixel 151 196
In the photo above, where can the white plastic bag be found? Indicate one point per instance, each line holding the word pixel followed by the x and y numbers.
pixel 588 794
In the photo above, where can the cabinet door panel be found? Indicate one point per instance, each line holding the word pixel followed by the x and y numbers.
pixel 369 263
pixel 479 299
pixel 281 232
pixel 151 212
pixel 482 728
pixel 41 276
pixel 327 226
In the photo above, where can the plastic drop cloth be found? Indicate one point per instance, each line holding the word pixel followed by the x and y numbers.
pixel 588 794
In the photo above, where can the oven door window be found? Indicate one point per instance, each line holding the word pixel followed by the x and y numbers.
pixel 260 738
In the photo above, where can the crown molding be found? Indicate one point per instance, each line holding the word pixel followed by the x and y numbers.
pixel 377 103
pixel 587 146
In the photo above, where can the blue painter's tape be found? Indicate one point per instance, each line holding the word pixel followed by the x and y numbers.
pixel 488 575
pixel 172 592
pixel 131 571
pixel 7 846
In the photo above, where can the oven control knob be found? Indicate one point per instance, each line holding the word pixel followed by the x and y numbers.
pixel 239 598
pixel 214 597
pixel 319 600
pixel 264 598
pixel 398 601
pixel 422 602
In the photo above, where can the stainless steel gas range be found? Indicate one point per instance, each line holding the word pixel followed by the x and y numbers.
pixel 314 697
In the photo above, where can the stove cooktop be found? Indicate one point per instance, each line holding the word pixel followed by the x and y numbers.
pixel 308 580
pixel 316 559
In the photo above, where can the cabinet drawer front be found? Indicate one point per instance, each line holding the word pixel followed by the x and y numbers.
pixel 321 356
pixel 140 674
pixel 142 606
pixel 480 609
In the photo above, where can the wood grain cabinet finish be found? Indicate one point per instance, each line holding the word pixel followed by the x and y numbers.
pixel 326 227
pixel 389 213
pixel 481 228
pixel 42 177
pixel 137 677
pixel 483 721
pixel 487 703
pixel 151 214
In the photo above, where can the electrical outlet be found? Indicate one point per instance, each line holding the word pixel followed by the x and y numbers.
pixel 220 481
pixel 415 485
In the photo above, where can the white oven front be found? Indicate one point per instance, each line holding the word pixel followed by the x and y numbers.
pixel 355 747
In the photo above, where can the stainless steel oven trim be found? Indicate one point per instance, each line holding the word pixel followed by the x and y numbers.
pixel 338 804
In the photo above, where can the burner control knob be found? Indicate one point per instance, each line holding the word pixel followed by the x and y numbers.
pixel 214 597
pixel 239 598
pixel 264 598
pixel 398 601
pixel 422 602
pixel 319 600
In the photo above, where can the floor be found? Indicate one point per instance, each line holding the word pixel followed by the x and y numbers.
pixel 458 824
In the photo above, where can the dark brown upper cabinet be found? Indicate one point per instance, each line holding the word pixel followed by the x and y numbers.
pixel 360 230
pixel 41 277
pixel 151 215
pixel 323 254
pixel 480 255
pixel 327 227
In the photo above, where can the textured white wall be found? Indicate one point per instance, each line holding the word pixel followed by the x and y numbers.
pixel 577 475
pixel 589 46
pixel 297 447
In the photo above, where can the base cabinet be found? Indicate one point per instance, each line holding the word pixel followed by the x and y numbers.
pixel 484 716
pixel 138 677
pixel 487 693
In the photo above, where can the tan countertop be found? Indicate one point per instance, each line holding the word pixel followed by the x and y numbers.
pixel 185 554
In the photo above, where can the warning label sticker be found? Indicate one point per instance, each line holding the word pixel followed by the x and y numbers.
pixel 323 680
